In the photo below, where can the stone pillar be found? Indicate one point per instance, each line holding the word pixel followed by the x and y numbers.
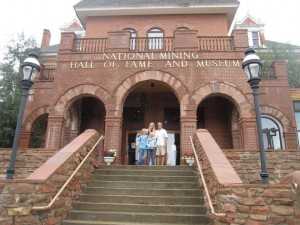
pixel 249 133
pixel 118 41
pixel 113 135
pixel 54 132
pixel 188 126
pixel 240 39
pixel 24 140
pixel 67 42
pixel 186 40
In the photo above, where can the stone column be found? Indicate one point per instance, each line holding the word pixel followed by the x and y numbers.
pixel 240 39
pixel 249 133
pixel 118 41
pixel 188 126
pixel 67 42
pixel 54 132
pixel 186 40
pixel 113 135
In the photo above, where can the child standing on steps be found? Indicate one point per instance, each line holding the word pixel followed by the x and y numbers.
pixel 151 148
pixel 143 139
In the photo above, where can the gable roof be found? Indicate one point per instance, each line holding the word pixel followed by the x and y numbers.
pixel 89 8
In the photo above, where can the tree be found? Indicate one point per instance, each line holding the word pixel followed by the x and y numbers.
pixel 284 52
pixel 10 85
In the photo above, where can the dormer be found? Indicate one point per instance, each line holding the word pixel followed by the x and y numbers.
pixel 255 29
pixel 74 26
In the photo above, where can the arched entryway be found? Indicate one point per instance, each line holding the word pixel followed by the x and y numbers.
pixel 86 112
pixel 149 101
pixel 38 132
pixel 219 116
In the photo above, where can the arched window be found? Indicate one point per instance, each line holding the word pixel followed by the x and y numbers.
pixel 155 39
pixel 272 134
pixel 133 36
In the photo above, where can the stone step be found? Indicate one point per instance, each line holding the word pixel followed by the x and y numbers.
pixel 143 192
pixel 133 167
pixel 92 222
pixel 138 217
pixel 185 209
pixel 147 200
pixel 148 172
pixel 131 184
pixel 141 178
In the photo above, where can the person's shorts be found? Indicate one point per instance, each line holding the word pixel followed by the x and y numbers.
pixel 160 150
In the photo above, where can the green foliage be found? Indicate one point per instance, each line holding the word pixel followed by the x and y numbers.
pixel 283 52
pixel 10 85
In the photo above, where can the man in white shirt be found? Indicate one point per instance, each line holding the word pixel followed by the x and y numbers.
pixel 161 144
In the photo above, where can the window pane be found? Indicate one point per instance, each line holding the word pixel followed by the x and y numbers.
pixel 267 123
pixel 297 118
pixel 155 39
pixel 297 106
pixel 255 42
pixel 271 134
pixel 255 35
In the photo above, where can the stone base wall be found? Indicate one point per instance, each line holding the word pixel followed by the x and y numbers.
pixel 18 197
pixel 251 204
pixel 27 161
pixel 279 164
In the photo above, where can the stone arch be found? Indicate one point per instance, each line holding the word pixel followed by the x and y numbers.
pixel 34 116
pixel 175 85
pixel 225 90
pixel 279 115
pixel 81 90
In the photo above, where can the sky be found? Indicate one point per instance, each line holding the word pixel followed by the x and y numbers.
pixel 281 18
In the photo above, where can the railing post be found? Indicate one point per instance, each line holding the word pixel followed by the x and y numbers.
pixel 186 40
pixel 67 42
pixel 118 41
pixel 240 39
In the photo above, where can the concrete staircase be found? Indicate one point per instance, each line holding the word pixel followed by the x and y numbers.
pixel 140 195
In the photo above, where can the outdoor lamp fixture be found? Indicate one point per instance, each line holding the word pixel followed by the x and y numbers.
pixel 252 66
pixel 30 67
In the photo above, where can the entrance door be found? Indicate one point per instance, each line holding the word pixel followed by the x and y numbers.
pixel 131 151
pixel 173 148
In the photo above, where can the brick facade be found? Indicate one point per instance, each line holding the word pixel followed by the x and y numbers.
pixel 196 66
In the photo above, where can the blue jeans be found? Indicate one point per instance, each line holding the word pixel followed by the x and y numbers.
pixel 151 154
pixel 143 154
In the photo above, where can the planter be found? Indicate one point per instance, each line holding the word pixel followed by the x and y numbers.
pixel 190 161
pixel 108 160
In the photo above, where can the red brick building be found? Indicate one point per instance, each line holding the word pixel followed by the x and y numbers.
pixel 141 61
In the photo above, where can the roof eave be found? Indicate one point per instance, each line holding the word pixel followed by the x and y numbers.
pixel 229 10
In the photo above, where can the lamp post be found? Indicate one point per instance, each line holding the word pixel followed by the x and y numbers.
pixel 252 66
pixel 30 67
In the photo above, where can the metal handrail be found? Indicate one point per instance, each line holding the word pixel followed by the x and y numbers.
pixel 204 182
pixel 39 208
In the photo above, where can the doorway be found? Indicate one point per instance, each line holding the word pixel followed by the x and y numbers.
pixel 148 101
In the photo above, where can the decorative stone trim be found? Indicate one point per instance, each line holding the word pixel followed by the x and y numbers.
pixel 82 90
pixel 228 91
